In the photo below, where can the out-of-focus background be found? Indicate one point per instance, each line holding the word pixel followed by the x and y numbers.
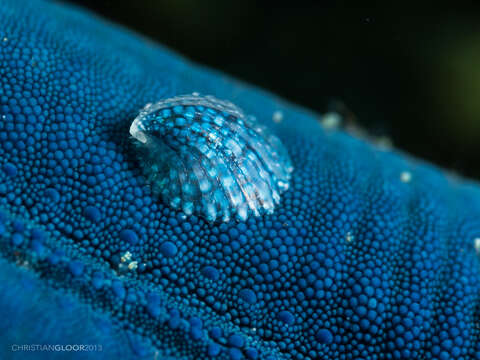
pixel 406 70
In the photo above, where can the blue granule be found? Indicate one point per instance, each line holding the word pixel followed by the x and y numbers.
pixel 370 254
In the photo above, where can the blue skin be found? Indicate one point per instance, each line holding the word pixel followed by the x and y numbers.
pixel 354 263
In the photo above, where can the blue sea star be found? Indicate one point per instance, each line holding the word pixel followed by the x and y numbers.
pixel 371 254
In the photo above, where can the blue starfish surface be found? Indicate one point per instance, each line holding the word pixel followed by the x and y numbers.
pixel 370 254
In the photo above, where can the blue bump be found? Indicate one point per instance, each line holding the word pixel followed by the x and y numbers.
pixel 92 213
pixel 235 354
pixel 174 320
pixel 324 336
pixel 10 169
pixel 251 353
pixel 54 258
pixel 38 247
pixel 118 289
pixel 196 333
pixel 153 304
pixel 140 347
pixel 91 180
pixel 248 296
pixel 141 267
pixel 52 195
pixel 38 234
pixel 168 249
pixel 17 239
pixel 213 349
pixel 216 332
pixel 97 280
pixel 153 310
pixel 129 236
pixel 195 322
pixel 286 317
pixel 76 267
pixel 211 273
pixel 236 340
pixel 18 226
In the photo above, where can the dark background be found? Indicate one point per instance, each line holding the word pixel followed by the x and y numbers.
pixel 407 70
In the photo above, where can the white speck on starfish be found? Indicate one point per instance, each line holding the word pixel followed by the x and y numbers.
pixel 331 120
pixel 349 237
pixel 476 244
pixel 277 116
pixel 406 176
pixel 126 257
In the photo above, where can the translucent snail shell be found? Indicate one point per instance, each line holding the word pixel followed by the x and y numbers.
pixel 205 156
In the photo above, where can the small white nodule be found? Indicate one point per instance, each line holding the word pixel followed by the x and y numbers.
pixel 277 116
pixel 405 176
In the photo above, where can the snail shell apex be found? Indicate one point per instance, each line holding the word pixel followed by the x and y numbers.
pixel 205 156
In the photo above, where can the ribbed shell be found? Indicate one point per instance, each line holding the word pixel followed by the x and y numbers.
pixel 204 156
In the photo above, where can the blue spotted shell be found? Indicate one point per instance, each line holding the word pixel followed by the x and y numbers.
pixel 205 156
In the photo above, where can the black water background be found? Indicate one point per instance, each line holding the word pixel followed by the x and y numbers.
pixel 406 70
